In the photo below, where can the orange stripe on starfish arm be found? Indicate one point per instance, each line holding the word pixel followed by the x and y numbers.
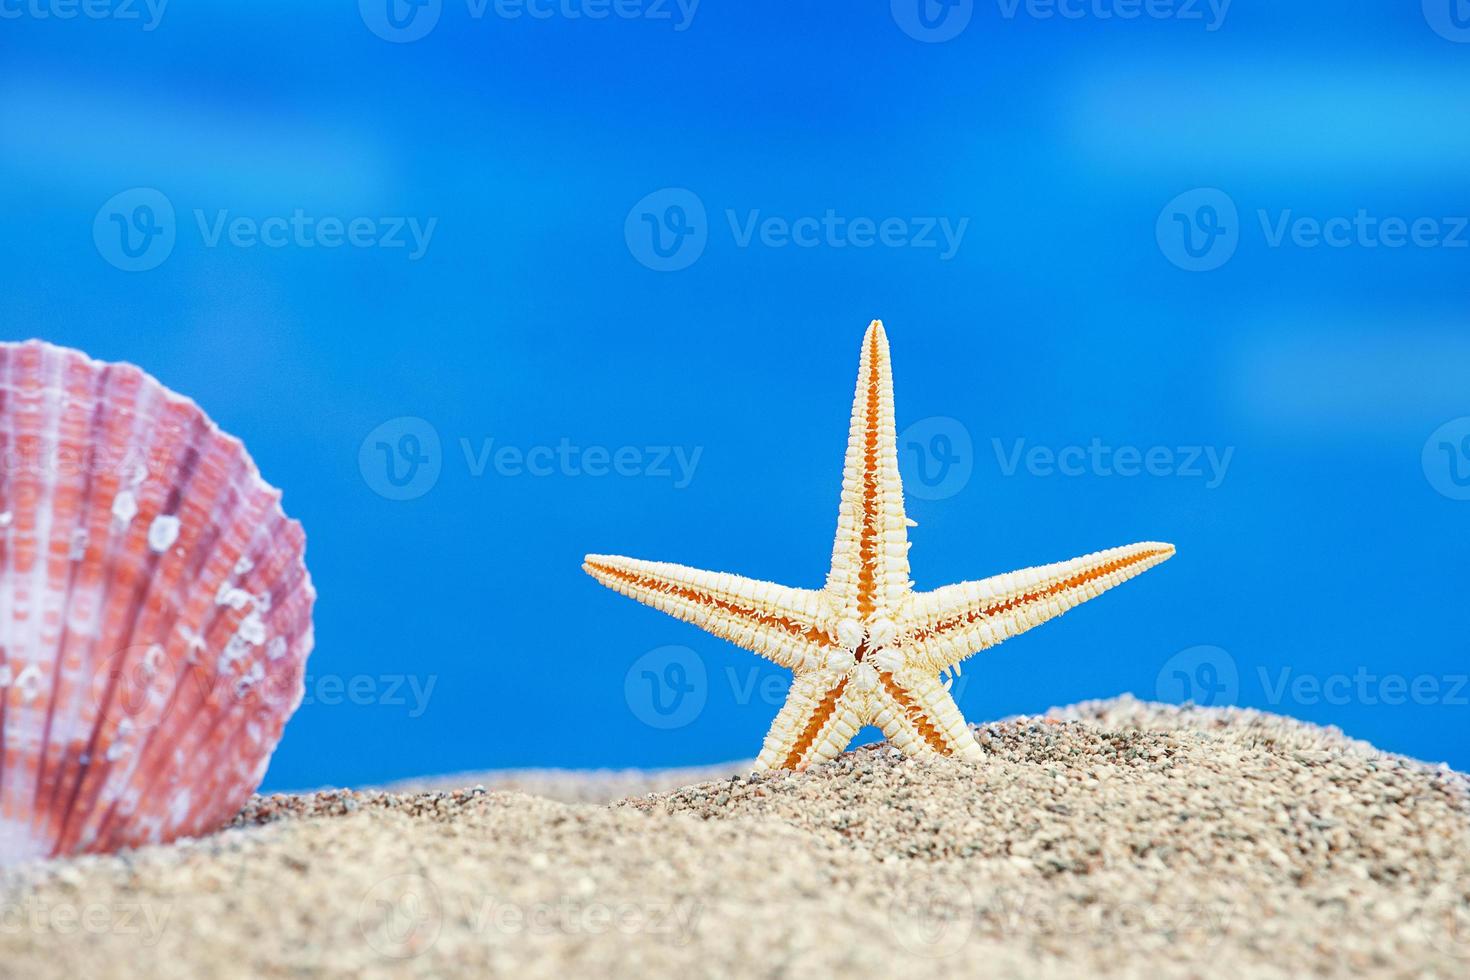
pixel 866 552
pixel 959 619
pixel 870 573
pixel 819 718
pixel 772 620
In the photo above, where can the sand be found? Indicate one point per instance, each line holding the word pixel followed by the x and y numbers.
pixel 1112 838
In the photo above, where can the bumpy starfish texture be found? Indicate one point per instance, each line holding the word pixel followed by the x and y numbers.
pixel 867 648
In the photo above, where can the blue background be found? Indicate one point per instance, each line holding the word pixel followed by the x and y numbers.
pixel 1327 548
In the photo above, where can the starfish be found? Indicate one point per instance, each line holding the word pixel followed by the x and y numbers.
pixel 866 648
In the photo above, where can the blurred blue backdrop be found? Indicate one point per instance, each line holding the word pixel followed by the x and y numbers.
pixel 1197 274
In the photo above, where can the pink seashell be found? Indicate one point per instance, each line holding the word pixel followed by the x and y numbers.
pixel 155 610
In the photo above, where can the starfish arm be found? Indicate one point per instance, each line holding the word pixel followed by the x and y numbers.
pixel 816 723
pixel 918 715
pixel 783 625
pixel 949 624
pixel 870 565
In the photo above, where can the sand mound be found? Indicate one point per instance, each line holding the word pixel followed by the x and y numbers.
pixel 1114 838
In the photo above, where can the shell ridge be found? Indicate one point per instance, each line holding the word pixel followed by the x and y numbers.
pixel 66 692
pixel 141 776
pixel 106 792
pixel 92 771
pixel 33 523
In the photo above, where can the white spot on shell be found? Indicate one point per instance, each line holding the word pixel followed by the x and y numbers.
pixel 243 565
pixel 277 648
pixel 229 595
pixel 29 683
pixel 153 659
pixel 78 544
pixel 252 629
pixel 124 507
pixel 163 532
pixel 5 518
